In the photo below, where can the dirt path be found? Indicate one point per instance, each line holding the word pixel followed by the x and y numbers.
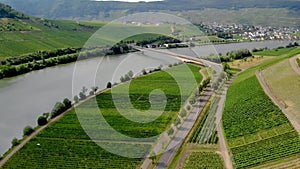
pixel 294 64
pixel 223 145
pixel 275 100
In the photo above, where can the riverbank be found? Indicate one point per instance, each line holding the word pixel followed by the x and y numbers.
pixel 43 136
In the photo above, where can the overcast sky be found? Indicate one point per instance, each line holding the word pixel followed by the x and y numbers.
pixel 131 0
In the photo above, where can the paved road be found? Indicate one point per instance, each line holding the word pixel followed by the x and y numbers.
pixel 176 142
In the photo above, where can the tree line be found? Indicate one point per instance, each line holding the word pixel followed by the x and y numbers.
pixel 23 64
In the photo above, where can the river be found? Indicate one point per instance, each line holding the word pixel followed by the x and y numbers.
pixel 25 97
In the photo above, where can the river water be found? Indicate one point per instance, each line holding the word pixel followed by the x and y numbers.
pixel 24 98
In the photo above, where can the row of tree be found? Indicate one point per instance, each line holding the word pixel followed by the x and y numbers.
pixel 38 56
pixel 159 40
pixel 11 70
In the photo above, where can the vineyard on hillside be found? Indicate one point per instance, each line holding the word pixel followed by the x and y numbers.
pixel 64 144
pixel 203 160
pixel 256 130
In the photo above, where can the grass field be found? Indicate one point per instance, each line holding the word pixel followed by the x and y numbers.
pixel 274 52
pixel 249 62
pixel 286 86
pixel 203 160
pixel 298 62
pixel 64 144
pixel 256 130
pixel 35 35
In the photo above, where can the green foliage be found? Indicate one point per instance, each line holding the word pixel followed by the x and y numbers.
pixel 67 153
pixel 42 120
pixel 238 54
pixel 27 131
pixel 256 130
pixel 266 150
pixel 248 110
pixel 298 61
pixel 15 142
pixel 205 132
pixel 158 40
pixel 203 160
pixel 65 143
pixel 67 103
pixel 7 12
pixel 76 99
pixel 58 109
pixel 272 52
pixel 109 85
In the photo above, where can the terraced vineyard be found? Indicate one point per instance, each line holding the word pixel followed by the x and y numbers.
pixel 206 133
pixel 256 130
pixel 203 160
pixel 64 144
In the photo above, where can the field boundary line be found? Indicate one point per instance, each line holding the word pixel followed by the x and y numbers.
pixel 293 62
pixel 275 100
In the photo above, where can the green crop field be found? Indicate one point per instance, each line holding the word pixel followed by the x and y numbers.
pixel 274 52
pixel 256 130
pixel 64 144
pixel 203 160
pixel 206 133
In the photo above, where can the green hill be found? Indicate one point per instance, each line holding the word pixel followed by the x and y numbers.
pixel 282 12
pixel 21 33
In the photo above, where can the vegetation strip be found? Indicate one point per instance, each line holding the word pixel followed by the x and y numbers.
pixel 69 151
pixel 248 111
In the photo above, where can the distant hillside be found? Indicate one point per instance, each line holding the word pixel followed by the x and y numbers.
pixel 7 12
pixel 21 33
pixel 86 9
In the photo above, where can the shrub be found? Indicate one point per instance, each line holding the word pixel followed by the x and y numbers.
pixel 67 103
pixel 42 120
pixel 76 99
pixel 15 142
pixel 58 109
pixel 109 85
pixel 27 131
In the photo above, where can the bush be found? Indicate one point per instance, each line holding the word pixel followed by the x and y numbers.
pixel 58 109
pixel 42 120
pixel 109 85
pixel 76 99
pixel 15 142
pixel 27 131
pixel 67 103
pixel 82 96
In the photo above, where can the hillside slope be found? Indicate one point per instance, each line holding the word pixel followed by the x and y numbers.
pixel 21 33
pixel 87 9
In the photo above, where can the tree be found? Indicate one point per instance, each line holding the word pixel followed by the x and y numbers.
pixel 15 142
pixel 130 74
pixel 57 109
pixel 144 71
pixel 42 120
pixel 76 99
pixel 109 85
pixel 67 103
pixel 27 131
pixel 82 96
pixel 95 89
pixel 46 115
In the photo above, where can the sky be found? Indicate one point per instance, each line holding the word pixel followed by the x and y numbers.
pixel 131 0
